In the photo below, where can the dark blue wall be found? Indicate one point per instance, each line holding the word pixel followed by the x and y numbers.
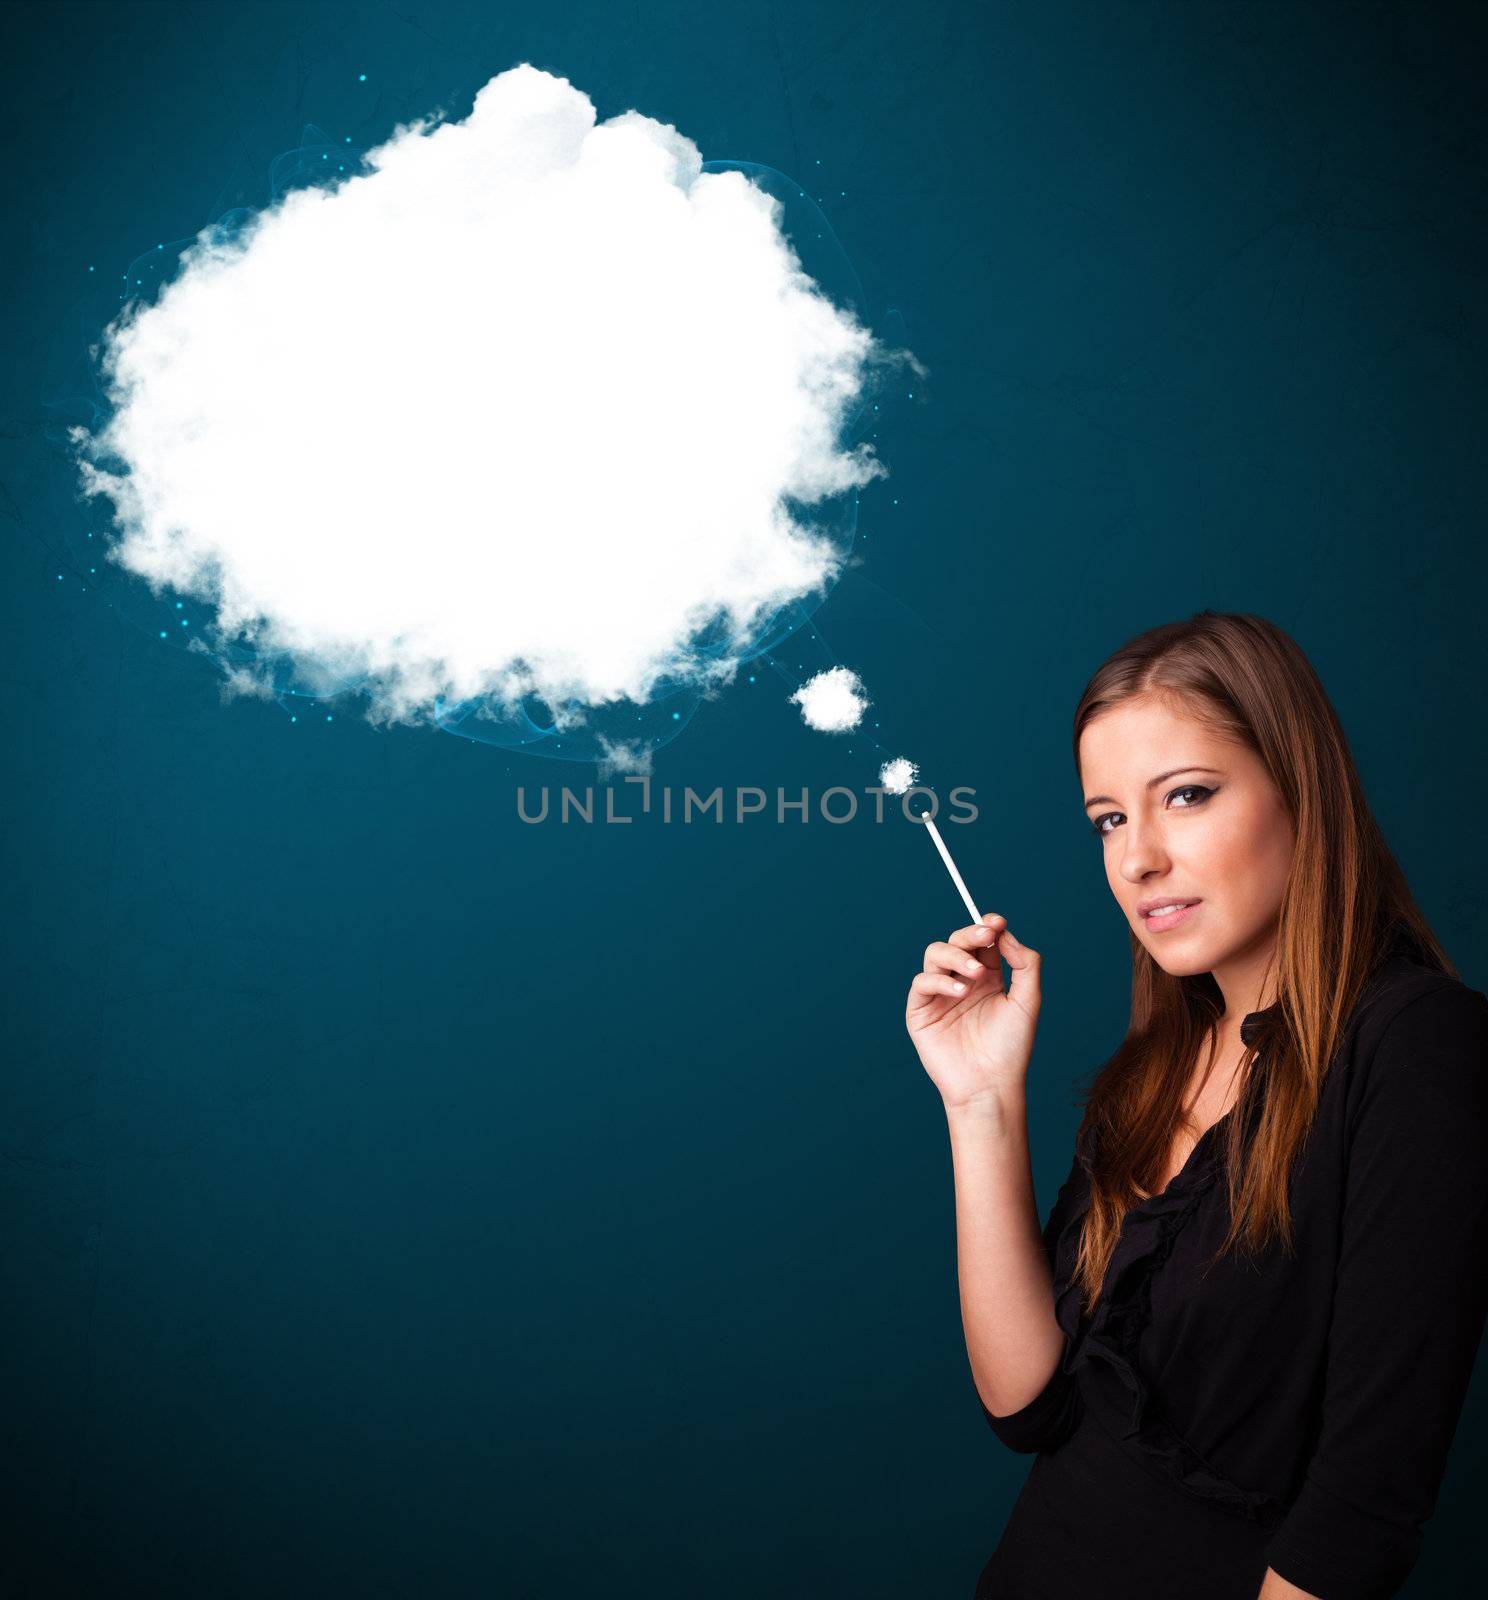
pixel 401 1200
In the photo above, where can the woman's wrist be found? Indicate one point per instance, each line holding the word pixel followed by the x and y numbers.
pixel 999 1111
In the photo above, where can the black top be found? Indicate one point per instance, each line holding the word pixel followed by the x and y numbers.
pixel 1290 1411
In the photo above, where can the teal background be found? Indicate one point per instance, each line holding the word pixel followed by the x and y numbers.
pixel 402 1200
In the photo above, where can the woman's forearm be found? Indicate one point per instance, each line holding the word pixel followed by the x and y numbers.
pixel 1275 1587
pixel 1007 1291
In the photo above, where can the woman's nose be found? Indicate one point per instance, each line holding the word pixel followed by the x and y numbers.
pixel 1142 853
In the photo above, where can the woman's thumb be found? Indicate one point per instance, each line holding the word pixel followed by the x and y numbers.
pixel 1021 959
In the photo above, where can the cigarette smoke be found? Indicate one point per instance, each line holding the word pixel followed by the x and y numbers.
pixel 530 406
pixel 897 775
pixel 833 701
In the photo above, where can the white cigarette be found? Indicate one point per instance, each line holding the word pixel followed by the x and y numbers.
pixel 945 855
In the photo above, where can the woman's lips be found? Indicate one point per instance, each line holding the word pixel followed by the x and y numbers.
pixel 1173 918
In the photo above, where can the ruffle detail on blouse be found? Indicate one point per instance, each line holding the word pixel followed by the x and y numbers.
pixel 1109 1341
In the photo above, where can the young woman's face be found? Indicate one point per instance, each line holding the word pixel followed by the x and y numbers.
pixel 1186 816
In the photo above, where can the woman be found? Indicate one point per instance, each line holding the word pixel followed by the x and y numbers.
pixel 1240 1343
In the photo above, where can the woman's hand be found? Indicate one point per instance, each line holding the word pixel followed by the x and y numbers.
pixel 974 1037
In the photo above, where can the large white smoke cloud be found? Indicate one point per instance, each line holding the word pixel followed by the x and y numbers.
pixel 518 409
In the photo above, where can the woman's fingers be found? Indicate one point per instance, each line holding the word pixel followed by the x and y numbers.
pixel 925 986
pixel 984 937
pixel 970 955
pixel 944 957
pixel 979 935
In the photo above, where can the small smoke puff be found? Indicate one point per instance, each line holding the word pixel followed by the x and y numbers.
pixel 237 682
pixel 896 776
pixel 518 410
pixel 833 701
pixel 619 757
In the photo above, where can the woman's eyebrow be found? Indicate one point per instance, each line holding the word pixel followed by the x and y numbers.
pixel 1106 799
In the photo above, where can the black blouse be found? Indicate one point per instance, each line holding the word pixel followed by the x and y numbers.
pixel 1285 1411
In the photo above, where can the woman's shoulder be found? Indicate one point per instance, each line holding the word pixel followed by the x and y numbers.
pixel 1419 1031
pixel 1405 999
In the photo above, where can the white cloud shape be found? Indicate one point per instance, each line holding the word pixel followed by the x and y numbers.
pixel 622 757
pixel 833 701
pixel 519 409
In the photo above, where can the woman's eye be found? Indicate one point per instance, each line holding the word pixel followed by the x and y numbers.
pixel 1188 788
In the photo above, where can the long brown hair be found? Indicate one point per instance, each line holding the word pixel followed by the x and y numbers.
pixel 1345 906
